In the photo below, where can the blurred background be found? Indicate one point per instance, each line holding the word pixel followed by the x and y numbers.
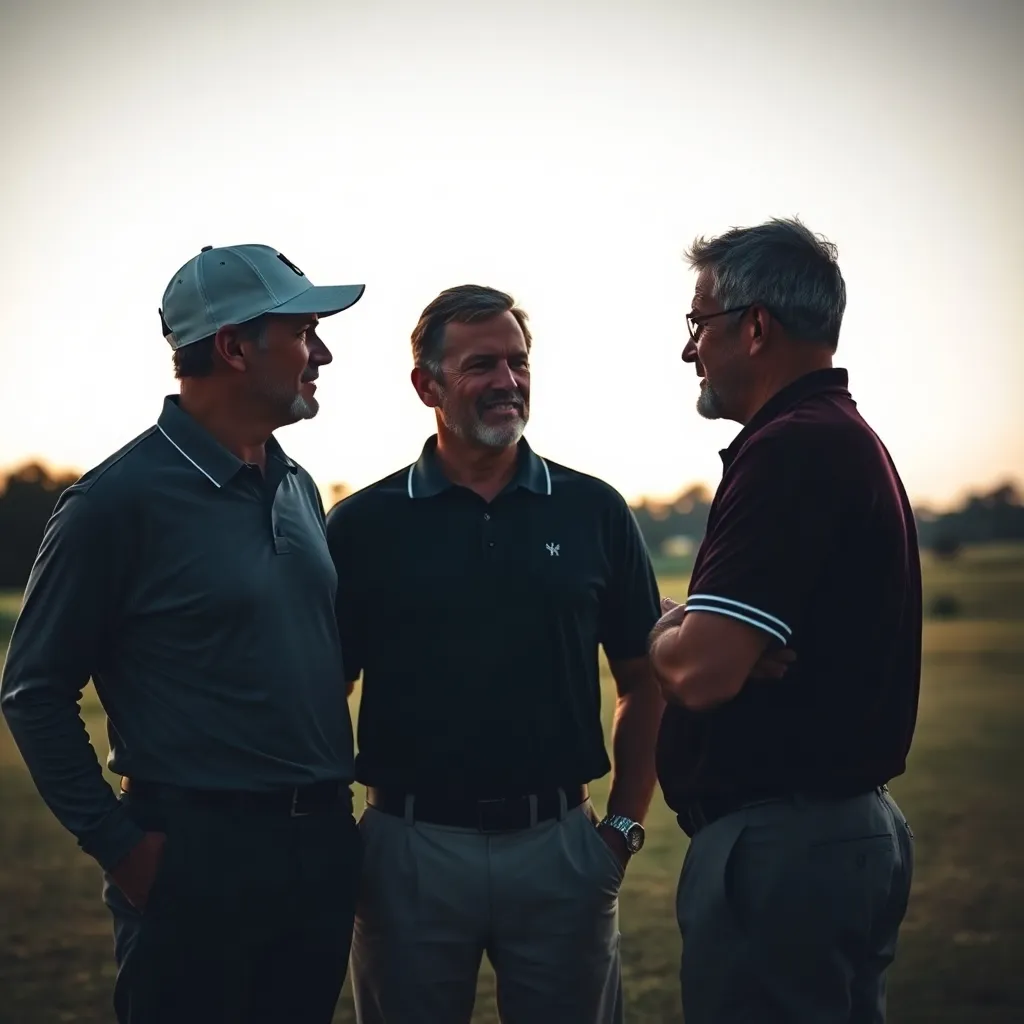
pixel 567 152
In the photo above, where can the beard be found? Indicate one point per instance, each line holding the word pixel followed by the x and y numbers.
pixel 289 406
pixel 709 403
pixel 470 426
pixel 302 408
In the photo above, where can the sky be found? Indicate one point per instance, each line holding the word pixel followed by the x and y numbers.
pixel 565 152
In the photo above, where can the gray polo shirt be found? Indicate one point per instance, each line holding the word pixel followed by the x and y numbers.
pixel 199 597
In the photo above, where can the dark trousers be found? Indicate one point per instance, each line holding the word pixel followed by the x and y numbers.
pixel 790 911
pixel 249 919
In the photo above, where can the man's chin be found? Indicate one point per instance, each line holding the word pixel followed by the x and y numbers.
pixel 303 408
pixel 709 405
pixel 504 435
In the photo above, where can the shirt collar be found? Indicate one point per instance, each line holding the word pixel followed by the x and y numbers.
pixel 204 451
pixel 426 477
pixel 816 382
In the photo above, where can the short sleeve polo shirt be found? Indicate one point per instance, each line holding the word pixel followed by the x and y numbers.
pixel 476 625
pixel 811 539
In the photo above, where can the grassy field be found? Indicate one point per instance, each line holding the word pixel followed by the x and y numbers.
pixel 963 942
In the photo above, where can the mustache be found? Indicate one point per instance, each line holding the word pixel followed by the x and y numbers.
pixel 493 398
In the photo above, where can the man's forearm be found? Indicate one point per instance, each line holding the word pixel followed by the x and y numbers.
pixel 706 660
pixel 634 737
pixel 48 729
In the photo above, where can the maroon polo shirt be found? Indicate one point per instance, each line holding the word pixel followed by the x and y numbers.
pixel 811 539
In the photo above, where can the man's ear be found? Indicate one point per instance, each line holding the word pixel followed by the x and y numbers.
pixel 227 343
pixel 759 330
pixel 426 387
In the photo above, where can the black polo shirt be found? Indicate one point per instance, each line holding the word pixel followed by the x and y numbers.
pixel 476 626
pixel 810 538
pixel 199 596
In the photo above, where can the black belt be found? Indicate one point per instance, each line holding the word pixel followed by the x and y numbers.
pixel 314 798
pixel 502 814
pixel 698 813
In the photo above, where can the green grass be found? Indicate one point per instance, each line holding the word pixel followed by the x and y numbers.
pixel 962 944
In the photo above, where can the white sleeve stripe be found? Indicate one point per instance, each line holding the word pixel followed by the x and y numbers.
pixel 739 604
pixel 742 618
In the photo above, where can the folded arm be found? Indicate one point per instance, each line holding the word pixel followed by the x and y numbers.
pixel 775 525
pixel 706 659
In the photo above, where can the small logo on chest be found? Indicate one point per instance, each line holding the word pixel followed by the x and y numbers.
pixel 553 549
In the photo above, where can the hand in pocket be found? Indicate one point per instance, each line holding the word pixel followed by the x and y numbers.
pixel 134 874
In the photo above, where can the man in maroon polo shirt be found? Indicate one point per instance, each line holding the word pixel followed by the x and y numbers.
pixel 798 873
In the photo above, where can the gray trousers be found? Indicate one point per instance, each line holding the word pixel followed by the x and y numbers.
pixel 542 903
pixel 789 912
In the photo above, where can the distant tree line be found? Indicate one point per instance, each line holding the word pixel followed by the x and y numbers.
pixel 27 498
pixel 997 515
pixel 28 495
pixel 985 518
pixel 676 526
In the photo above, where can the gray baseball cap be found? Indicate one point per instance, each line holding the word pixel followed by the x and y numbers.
pixel 236 283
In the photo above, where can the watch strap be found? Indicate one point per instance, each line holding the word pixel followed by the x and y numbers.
pixel 619 822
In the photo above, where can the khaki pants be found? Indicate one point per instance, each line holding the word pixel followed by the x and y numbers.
pixel 542 903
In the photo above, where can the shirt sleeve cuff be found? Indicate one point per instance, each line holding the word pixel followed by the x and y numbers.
pixel 743 612
pixel 116 836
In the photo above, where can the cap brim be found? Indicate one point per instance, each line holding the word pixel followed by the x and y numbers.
pixel 324 300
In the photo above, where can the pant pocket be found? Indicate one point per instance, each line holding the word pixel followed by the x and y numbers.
pixel 152 817
pixel 165 892
pixel 606 859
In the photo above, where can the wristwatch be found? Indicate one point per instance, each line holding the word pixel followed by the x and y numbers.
pixel 633 831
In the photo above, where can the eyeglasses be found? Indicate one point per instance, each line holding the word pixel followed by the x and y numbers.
pixel 694 322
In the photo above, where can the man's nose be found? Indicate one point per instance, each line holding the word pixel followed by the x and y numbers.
pixel 690 351
pixel 504 379
pixel 319 353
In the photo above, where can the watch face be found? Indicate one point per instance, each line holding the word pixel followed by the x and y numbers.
pixel 635 838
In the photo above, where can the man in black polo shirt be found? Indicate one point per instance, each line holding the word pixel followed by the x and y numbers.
pixel 799 867
pixel 189 576
pixel 477 586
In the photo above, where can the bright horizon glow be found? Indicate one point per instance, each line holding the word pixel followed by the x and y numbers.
pixel 564 152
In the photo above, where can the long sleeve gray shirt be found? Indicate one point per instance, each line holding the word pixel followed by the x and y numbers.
pixel 198 595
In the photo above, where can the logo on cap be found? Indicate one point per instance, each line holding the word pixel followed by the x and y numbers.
pixel 288 263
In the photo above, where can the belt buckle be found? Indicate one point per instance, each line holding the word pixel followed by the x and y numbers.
pixel 481 818
pixel 293 811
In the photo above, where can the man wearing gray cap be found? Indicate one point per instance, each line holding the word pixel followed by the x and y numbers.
pixel 189 577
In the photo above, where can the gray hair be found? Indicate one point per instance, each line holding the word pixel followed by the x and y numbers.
pixel 783 266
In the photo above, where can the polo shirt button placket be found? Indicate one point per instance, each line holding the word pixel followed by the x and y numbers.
pixel 280 540
pixel 489 550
